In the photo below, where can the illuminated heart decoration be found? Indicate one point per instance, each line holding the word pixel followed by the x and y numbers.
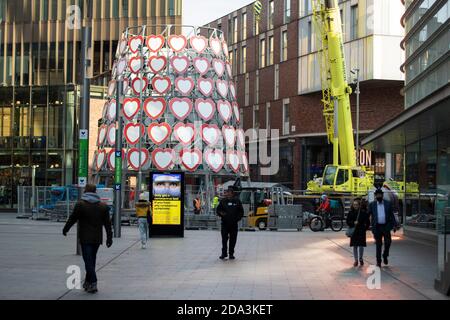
pixel 222 88
pixel 205 108
pixel 135 64
pixel 111 88
pixel 240 138
pixel 180 107
pixel 215 45
pixel 233 160
pixel 154 107
pixel 244 161
pixel 177 43
pixel 201 65
pixel 159 132
pixel 219 67
pixel 225 48
pixel 210 133
pixel 101 135
pixel 163 158
pixel 184 132
pixel 131 107
pixel 133 132
pixel 155 43
pixel 184 85
pixel 205 86
pixel 232 90
pixel 100 159
pixel 191 158
pixel 133 158
pixel 198 43
pixel 112 159
pixel 123 45
pixel 229 71
pixel 111 135
pixel 157 63
pixel 135 43
pixel 214 159
pixel 161 84
pixel 139 85
pixel 111 113
pixel 224 108
pixel 180 64
pixel 121 66
pixel 229 133
pixel 236 112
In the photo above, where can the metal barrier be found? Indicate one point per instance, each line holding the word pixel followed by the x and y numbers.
pixel 285 217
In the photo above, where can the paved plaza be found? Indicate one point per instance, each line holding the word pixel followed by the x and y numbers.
pixel 269 265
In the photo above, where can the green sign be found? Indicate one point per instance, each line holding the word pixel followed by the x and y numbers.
pixel 118 168
pixel 83 158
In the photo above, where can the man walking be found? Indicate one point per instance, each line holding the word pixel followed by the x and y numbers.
pixel 383 221
pixel 231 211
pixel 91 215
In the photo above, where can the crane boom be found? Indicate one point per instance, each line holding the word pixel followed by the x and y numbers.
pixel 335 89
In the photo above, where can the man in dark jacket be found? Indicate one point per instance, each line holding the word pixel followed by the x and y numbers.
pixel 91 215
pixel 382 221
pixel 231 211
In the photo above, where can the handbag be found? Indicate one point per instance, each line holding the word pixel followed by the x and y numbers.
pixel 351 230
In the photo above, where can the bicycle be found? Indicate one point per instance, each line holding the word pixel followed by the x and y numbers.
pixel 323 221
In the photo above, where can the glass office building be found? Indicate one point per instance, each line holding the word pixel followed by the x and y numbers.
pixel 40 48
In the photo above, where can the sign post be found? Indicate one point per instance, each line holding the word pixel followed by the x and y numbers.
pixel 118 163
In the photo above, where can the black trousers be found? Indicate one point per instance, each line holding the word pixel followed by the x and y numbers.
pixel 229 231
pixel 382 232
pixel 89 252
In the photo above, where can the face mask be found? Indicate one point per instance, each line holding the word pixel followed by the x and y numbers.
pixel 379 199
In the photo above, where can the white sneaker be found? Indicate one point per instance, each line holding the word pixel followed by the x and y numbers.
pixel 144 246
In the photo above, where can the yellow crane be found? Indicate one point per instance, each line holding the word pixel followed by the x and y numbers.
pixel 344 175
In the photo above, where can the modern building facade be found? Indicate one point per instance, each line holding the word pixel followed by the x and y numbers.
pixel 40 49
pixel 277 73
pixel 422 131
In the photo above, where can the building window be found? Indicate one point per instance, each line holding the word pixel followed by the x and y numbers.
pixel 219 26
pixel 287 11
pixel 244 26
pixel 309 36
pixel 231 54
pixel 268 116
pixel 277 82
pixel 284 45
pixel 306 7
pixel 44 10
pixel 270 57
pixel 171 8
pixel 124 8
pixel 235 29
pixel 271 13
pixel 244 60
pixel 256 29
pixel 255 117
pixel 286 119
pixel 257 87
pixel 235 64
pixel 230 32
pixel 262 53
pixel 354 22
pixel 115 9
pixel 247 90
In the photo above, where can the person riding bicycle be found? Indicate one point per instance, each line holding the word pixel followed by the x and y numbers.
pixel 325 205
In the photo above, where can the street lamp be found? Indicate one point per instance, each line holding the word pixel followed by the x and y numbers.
pixel 356 81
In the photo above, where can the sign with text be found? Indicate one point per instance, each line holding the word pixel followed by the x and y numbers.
pixel 167 198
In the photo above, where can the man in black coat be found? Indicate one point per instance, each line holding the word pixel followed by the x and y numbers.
pixel 231 211
pixel 382 221
pixel 91 215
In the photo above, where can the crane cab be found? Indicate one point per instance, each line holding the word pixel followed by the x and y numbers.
pixel 346 179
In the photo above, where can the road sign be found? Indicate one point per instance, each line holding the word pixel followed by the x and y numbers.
pixel 82 182
pixel 117 187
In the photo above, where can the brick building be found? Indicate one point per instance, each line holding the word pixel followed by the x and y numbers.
pixel 277 74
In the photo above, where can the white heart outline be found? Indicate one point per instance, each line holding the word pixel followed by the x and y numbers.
pixel 177 115
pixel 230 163
pixel 174 60
pixel 212 127
pixel 152 60
pixel 180 125
pixel 200 82
pixel 236 112
pixel 159 46
pixel 213 43
pixel 112 110
pixel 160 112
pixel 174 46
pixel 222 88
pixel 135 80
pixel 225 129
pixel 121 66
pixel 225 48
pixel 199 111
pixel 132 39
pixel 111 142
pixel 219 67
pixel 143 160
pixel 133 125
pixel 221 104
pixel 112 88
pixel 198 69
pixel 123 45
pixel 103 153
pixel 240 135
pixel 194 151
pixel 156 151
pixel 101 135
pixel 180 81
pixel 232 89
pixel 161 124
pixel 126 102
pixel 195 39
pixel 229 70
pixel 209 152
pixel 111 162
pixel 130 64
pixel 243 156
pixel 155 82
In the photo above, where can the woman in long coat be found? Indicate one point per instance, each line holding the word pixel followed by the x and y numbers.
pixel 358 239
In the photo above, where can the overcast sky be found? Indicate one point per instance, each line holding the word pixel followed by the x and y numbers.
pixel 200 12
